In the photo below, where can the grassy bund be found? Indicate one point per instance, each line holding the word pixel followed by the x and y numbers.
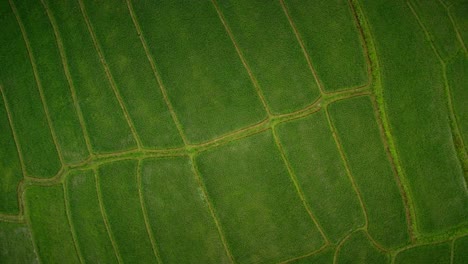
pixel 222 131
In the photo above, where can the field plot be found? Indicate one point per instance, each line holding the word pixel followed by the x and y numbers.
pixel 132 73
pixel 413 89
pixel 314 157
pixel 20 91
pixel 334 44
pixel 256 202
pixel 458 12
pixel 52 81
pixel 122 205
pixel 358 249
pixel 108 129
pixel 274 56
pixel 359 134
pixel 457 75
pixel 49 224
pixel 204 77
pixel 16 244
pixel 437 22
pixel 233 131
pixel 178 213
pixel 430 254
pixel 86 218
pixel 10 166
pixel 459 250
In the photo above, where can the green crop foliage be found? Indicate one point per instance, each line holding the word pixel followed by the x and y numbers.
pixel 233 131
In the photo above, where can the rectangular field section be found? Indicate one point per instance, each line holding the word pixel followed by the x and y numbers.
pixel 53 81
pixel 107 127
pixel 314 157
pixel 435 19
pixel 20 91
pixel 178 213
pixel 355 124
pixel 435 253
pixel 132 72
pixel 10 166
pixel 271 49
pixel 256 202
pixel 118 188
pixel 413 87
pixel 204 76
pixel 87 219
pixel 457 77
pixel 16 244
pixel 45 208
pixel 331 37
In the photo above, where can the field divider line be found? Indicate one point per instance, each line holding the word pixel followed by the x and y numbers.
pixel 431 241
pixel 362 39
pixel 455 25
pixel 303 48
pixel 66 201
pixel 145 214
pixel 211 208
pixel 18 218
pixel 452 251
pixel 454 126
pixel 375 71
pixel 341 243
pixel 403 194
pixel 243 60
pixel 110 78
pixel 375 243
pixel 38 81
pixel 226 138
pixel 13 132
pixel 19 197
pixel 64 60
pixel 161 85
pixel 300 193
pixel 264 125
pixel 318 251
pixel 381 114
pixel 339 146
pixel 105 218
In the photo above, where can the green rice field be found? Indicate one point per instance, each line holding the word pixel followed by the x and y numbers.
pixel 234 131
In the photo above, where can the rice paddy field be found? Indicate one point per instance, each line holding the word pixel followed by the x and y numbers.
pixel 234 131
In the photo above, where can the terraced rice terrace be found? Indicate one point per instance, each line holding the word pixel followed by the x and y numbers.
pixel 233 131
